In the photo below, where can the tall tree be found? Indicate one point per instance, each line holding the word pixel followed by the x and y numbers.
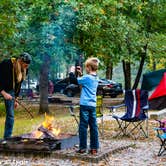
pixel 115 31
pixel 9 20
pixel 50 39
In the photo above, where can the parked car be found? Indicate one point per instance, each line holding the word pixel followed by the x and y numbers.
pixel 60 85
pixel 71 90
pixel 26 93
pixel 109 88
pixel 105 88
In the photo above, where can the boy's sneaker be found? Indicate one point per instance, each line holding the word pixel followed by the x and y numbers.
pixel 81 151
pixel 93 151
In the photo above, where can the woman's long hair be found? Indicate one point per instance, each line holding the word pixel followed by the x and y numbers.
pixel 20 72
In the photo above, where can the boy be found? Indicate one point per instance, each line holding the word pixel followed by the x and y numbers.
pixel 89 83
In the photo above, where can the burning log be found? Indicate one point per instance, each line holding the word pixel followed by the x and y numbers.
pixel 46 132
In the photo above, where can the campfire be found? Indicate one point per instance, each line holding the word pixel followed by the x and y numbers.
pixel 45 130
pixel 45 138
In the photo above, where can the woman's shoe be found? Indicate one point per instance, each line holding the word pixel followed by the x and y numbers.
pixel 93 151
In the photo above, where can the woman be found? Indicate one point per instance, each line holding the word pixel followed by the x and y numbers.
pixel 12 72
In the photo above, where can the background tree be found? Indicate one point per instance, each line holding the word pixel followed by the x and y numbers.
pixel 118 31
pixel 53 32
pixel 9 23
pixel 50 40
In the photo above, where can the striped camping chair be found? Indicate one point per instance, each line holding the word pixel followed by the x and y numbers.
pixel 135 120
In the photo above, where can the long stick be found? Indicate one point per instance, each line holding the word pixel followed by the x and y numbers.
pixel 19 102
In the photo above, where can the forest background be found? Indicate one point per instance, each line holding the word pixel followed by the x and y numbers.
pixel 127 36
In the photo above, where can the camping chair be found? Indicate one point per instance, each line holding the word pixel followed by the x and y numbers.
pixel 161 134
pixel 72 113
pixel 71 108
pixel 99 113
pixel 136 114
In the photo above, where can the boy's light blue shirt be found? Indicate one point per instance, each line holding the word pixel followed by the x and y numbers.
pixel 89 85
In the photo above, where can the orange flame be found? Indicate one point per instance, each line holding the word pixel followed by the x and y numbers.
pixel 56 131
pixel 48 124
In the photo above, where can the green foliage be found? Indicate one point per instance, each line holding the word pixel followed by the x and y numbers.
pixel 8 28
pixel 51 34
pixel 119 30
pixel 112 30
pixel 157 49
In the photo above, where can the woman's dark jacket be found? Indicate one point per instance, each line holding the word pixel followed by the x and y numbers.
pixel 6 77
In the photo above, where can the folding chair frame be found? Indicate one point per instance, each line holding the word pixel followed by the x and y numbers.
pixel 136 125
pixel 72 113
pixel 161 134
pixel 99 114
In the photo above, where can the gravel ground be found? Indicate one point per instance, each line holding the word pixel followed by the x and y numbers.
pixel 144 153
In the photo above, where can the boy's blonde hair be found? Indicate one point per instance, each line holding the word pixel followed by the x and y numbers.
pixel 93 63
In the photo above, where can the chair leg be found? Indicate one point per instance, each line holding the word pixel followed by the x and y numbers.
pixel 102 128
pixel 146 134
pixel 147 125
pixel 122 125
pixel 99 114
pixel 100 132
pixel 139 128
pixel 102 123
pixel 71 110
pixel 136 126
pixel 162 147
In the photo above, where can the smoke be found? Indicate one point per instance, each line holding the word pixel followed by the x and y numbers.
pixel 57 38
pixel 57 35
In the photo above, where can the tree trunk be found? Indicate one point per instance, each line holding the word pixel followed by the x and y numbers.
pixel 143 56
pixel 127 74
pixel 127 65
pixel 109 69
pixel 154 65
pixel 44 85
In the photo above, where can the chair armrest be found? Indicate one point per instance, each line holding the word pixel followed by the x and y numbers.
pixel 145 108
pixel 71 109
pixel 160 128
pixel 114 107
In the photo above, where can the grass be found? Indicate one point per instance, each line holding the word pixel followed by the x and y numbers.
pixel 24 124
pixel 62 119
